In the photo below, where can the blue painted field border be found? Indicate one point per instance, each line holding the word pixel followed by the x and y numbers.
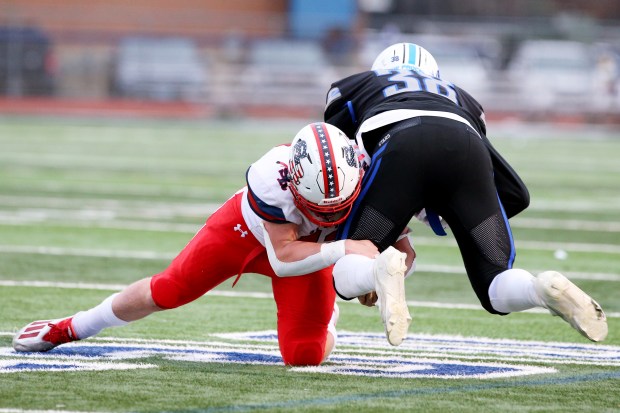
pixel 354 398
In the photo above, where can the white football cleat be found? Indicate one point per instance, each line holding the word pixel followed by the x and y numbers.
pixel 44 335
pixel 389 271
pixel 565 299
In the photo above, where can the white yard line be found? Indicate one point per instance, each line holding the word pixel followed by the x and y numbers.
pixel 39 411
pixel 566 205
pixel 241 294
pixel 95 218
pixel 85 252
pixel 531 245
pixel 153 255
pixel 419 240
pixel 447 269
pixel 611 204
pixel 565 224
pixel 105 212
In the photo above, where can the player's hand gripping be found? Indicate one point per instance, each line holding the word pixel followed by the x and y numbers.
pixel 361 247
pixel 369 299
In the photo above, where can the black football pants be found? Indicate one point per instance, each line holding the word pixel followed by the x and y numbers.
pixel 444 166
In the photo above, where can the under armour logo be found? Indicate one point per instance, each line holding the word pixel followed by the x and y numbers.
pixel 238 228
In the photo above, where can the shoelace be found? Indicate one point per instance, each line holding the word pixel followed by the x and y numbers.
pixel 60 333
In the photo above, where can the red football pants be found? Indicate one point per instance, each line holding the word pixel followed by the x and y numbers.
pixel 224 247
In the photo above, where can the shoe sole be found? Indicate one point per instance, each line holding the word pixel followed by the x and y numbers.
pixel 398 324
pixel 394 311
pixel 569 302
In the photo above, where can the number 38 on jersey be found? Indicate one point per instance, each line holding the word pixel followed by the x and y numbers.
pixel 411 81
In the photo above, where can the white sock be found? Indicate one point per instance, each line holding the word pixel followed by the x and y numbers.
pixel 513 290
pixel 353 275
pixel 88 323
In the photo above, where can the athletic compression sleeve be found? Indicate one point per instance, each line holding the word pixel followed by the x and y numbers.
pixel 329 254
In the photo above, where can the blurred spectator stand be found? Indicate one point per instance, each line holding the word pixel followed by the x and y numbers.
pixel 27 63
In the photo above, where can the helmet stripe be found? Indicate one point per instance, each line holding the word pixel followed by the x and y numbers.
pixel 414 54
pixel 330 171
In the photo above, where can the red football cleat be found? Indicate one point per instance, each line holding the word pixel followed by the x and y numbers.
pixel 44 335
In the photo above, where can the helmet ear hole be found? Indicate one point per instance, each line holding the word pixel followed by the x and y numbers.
pixel 325 174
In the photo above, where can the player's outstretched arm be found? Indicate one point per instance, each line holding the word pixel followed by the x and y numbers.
pixel 289 256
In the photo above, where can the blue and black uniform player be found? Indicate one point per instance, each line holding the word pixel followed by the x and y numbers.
pixel 426 139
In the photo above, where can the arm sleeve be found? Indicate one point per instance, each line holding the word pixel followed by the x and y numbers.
pixel 328 255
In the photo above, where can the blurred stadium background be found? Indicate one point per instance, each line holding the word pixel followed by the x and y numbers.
pixel 537 60
pixel 122 125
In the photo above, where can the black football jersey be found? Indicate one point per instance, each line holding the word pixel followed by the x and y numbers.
pixel 352 100
pixel 361 96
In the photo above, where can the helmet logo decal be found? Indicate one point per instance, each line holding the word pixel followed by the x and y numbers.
pixel 296 170
pixel 349 155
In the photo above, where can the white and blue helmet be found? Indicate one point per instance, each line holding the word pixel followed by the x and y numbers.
pixel 407 56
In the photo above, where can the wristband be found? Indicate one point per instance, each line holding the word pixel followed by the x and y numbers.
pixel 332 252
pixel 328 255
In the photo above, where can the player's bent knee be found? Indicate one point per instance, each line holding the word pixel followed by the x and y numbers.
pixel 303 353
pixel 167 293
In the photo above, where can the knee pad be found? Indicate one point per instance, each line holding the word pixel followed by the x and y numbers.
pixel 302 353
pixel 167 293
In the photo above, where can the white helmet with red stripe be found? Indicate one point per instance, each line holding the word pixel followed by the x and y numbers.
pixel 324 174
pixel 407 56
